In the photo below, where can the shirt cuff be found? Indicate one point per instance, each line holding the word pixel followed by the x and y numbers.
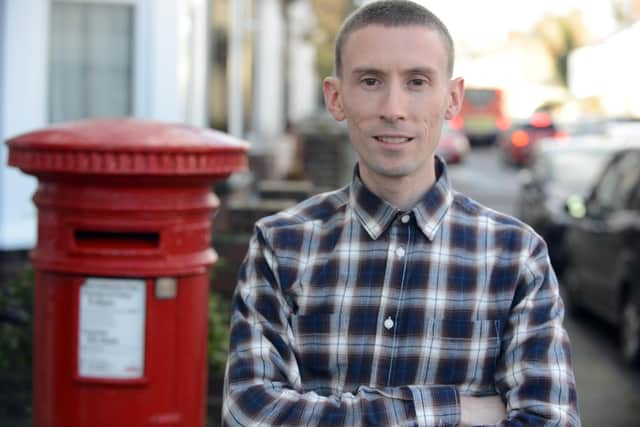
pixel 436 405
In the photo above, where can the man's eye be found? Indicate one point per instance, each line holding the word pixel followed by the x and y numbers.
pixel 417 82
pixel 369 81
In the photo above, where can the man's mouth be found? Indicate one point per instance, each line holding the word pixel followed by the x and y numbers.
pixel 392 139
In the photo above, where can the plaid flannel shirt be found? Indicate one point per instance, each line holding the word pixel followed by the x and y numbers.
pixel 349 312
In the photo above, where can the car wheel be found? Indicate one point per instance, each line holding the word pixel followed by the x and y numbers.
pixel 630 330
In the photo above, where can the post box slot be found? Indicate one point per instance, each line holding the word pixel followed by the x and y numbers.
pixel 93 239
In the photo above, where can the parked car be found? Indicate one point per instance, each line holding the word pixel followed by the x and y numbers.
pixel 603 266
pixel 453 146
pixel 612 127
pixel 556 172
pixel 517 144
pixel 623 127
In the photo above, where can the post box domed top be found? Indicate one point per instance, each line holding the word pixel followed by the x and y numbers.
pixel 127 147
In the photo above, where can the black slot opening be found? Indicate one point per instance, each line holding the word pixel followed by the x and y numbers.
pixel 92 239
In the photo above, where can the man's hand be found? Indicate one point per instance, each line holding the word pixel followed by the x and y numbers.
pixel 481 410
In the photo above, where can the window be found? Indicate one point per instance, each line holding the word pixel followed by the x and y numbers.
pixel 617 184
pixel 634 205
pixel 629 178
pixel 480 96
pixel 575 170
pixel 91 60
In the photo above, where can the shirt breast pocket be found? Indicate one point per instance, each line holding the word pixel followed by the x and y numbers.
pixel 318 339
pixel 463 353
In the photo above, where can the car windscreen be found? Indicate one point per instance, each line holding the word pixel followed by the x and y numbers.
pixel 575 170
pixel 479 96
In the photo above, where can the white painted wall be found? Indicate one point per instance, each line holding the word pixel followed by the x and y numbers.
pixel 171 59
pixel 24 37
pixel 3 6
pixel 268 108
pixel 303 81
pixel 238 17
pixel 193 61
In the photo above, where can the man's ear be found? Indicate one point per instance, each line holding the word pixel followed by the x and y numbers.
pixel 456 95
pixel 332 98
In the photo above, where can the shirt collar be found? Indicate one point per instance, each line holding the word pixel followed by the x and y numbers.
pixel 376 214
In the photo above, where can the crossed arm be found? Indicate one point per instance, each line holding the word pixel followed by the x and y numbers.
pixel 263 382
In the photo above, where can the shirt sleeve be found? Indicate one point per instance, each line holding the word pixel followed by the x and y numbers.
pixel 534 373
pixel 263 384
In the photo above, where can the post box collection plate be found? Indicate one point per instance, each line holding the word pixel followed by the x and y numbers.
pixel 111 330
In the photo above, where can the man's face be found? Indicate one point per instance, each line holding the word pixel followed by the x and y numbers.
pixel 394 91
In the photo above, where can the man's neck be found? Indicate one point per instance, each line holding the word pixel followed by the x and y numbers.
pixel 401 192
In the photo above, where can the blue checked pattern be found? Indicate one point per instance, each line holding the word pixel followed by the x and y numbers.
pixel 351 313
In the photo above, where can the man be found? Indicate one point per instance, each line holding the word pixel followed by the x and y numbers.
pixel 396 301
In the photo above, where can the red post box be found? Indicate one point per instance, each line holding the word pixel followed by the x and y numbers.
pixel 122 262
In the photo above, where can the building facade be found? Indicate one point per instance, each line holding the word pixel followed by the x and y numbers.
pixel 65 60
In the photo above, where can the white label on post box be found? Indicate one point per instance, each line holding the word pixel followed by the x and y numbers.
pixel 111 328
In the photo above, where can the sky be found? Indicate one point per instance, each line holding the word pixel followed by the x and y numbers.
pixel 489 21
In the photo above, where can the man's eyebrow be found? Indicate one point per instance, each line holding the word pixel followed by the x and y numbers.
pixel 428 71
pixel 367 70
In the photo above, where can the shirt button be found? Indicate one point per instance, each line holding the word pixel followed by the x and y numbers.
pixel 405 218
pixel 388 323
pixel 400 252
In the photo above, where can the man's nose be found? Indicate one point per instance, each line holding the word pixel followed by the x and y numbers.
pixel 393 108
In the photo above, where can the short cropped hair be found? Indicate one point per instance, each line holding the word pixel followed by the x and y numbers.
pixel 391 13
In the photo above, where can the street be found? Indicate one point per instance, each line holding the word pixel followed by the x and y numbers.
pixel 608 392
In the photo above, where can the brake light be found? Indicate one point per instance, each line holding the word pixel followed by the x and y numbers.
pixel 561 135
pixel 519 138
pixel 457 122
pixel 541 120
pixel 503 123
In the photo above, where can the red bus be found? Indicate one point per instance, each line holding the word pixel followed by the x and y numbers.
pixel 482 116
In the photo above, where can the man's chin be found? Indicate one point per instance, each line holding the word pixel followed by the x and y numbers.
pixel 392 172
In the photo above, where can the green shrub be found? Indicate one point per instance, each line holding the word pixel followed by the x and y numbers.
pixel 219 320
pixel 16 337
pixel 219 309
